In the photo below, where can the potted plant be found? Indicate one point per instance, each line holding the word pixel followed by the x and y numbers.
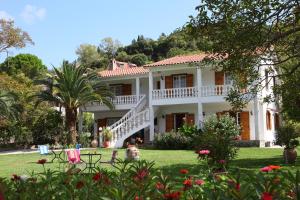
pixel 286 136
pixel 107 135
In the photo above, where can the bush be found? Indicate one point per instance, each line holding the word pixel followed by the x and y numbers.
pixel 246 143
pixel 287 135
pixel 218 137
pixel 172 140
pixel 140 180
pixel 47 128
pixel 85 139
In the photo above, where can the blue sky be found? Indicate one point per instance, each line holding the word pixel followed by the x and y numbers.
pixel 58 27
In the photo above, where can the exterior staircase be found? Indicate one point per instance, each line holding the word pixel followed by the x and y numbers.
pixel 136 119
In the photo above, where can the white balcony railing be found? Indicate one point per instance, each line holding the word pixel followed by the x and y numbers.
pixel 120 100
pixel 187 92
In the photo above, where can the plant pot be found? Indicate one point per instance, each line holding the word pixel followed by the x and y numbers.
pixel 289 156
pixel 94 143
pixel 106 144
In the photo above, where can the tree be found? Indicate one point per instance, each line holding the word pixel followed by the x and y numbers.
pixel 8 105
pixel 88 56
pixel 28 64
pixel 11 36
pixel 109 47
pixel 246 35
pixel 139 59
pixel 72 87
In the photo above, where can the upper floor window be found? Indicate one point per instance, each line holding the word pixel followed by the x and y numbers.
pixel 268 120
pixel 228 79
pixel 179 81
pixel 267 79
pixel 116 90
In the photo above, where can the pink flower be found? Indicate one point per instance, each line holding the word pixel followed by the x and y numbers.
pixel 199 182
pixel 266 169
pixel 222 162
pixel 204 152
pixel 159 186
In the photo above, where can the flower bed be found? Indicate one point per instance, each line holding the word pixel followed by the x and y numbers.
pixel 139 180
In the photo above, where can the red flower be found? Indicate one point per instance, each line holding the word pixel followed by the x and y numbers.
pixel 15 177
pixel 79 184
pixel 188 183
pixel 138 198
pixel 204 152
pixel 159 186
pixel 274 167
pixel 237 187
pixel 184 171
pixel 172 195
pixel 97 177
pixel 199 182
pixel 266 169
pixel 42 161
pixel 266 196
pixel 141 174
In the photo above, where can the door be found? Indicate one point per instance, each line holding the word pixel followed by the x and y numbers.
pixel 245 128
pixel 169 122
pixel 219 80
pixel 179 120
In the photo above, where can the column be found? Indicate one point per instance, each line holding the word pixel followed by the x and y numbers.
pixel 80 121
pixel 151 111
pixel 95 127
pixel 137 88
pixel 200 105
pixel 258 136
pixel 200 115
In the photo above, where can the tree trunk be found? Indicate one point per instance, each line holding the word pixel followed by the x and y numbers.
pixel 71 118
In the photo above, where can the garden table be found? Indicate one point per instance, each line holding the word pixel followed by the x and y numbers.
pixel 57 155
pixel 92 162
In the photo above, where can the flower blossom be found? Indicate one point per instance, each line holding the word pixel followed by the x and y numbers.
pixel 172 196
pixel 42 161
pixel 199 182
pixel 204 152
pixel 97 177
pixel 266 196
pixel 184 171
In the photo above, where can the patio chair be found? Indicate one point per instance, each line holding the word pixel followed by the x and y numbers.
pixel 113 158
pixel 73 156
pixel 43 149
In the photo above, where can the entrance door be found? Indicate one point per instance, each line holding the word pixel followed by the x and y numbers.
pixel 179 120
pixel 245 129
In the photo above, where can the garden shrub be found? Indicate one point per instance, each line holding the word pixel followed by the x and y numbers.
pixel 246 143
pixel 85 139
pixel 218 136
pixel 140 180
pixel 172 140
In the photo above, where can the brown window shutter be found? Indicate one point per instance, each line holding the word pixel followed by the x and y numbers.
pixel 126 90
pixel 268 120
pixel 189 80
pixel 101 123
pixel 245 127
pixel 190 119
pixel 169 122
pixel 169 82
pixel 219 78
pixel 276 121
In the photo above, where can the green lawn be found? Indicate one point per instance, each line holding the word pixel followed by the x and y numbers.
pixel 170 161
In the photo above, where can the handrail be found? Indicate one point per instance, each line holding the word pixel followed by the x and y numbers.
pixel 120 100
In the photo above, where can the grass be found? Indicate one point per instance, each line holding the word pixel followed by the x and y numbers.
pixel 169 161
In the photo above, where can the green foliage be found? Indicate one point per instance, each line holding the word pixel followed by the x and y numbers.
pixel 29 64
pixel 85 139
pixel 47 128
pixel 189 130
pixel 172 140
pixel 218 135
pixel 139 59
pixel 71 87
pixel 140 180
pixel 88 56
pixel 287 136
pixel 107 134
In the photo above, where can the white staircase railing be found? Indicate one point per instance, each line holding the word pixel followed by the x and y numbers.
pixel 119 100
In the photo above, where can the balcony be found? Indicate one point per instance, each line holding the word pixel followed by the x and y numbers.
pixel 190 94
pixel 123 102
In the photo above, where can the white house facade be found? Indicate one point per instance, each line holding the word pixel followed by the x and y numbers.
pixel 160 97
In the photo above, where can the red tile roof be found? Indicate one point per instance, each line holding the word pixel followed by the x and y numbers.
pixel 180 60
pixel 123 72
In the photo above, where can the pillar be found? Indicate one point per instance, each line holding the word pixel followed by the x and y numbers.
pixel 200 115
pixel 151 111
pixel 199 105
pixel 258 135
pixel 137 88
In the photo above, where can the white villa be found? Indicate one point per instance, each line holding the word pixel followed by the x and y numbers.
pixel 158 97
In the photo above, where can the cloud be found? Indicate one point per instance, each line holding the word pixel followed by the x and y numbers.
pixel 31 14
pixel 5 15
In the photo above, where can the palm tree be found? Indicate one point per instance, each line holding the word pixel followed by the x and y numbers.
pixel 72 87
pixel 9 109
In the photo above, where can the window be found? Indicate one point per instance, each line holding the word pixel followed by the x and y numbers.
pixel 228 79
pixel 268 120
pixel 276 121
pixel 179 81
pixel 267 79
pixel 116 90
